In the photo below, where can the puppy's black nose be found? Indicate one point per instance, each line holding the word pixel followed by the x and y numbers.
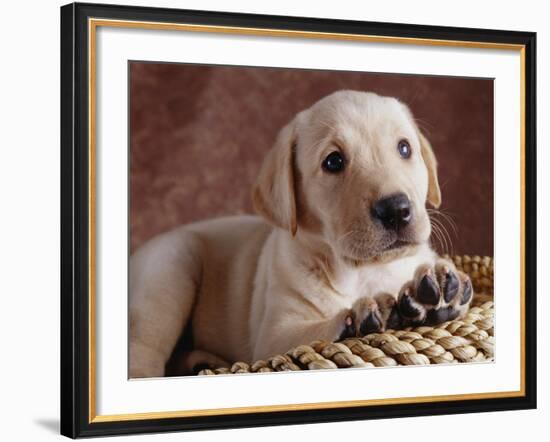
pixel 394 211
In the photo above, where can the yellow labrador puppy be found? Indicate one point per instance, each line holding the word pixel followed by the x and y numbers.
pixel 341 248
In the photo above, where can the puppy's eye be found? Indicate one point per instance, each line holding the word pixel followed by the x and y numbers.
pixel 404 149
pixel 334 162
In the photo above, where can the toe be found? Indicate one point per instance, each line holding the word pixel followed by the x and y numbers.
pixel 409 308
pixel 450 285
pixel 371 323
pixel 349 329
pixel 427 291
pixel 387 309
pixel 467 292
pixel 394 319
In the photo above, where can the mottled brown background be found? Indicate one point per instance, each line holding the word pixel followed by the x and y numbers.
pixel 199 133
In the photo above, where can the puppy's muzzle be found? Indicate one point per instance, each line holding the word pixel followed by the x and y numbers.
pixel 393 212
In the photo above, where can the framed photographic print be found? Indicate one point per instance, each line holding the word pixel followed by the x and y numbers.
pixel 271 220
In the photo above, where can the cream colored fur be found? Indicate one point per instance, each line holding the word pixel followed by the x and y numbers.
pixel 253 287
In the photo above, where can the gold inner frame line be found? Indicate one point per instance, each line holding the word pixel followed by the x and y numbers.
pixel 93 24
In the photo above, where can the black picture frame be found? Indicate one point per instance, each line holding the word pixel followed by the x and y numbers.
pixel 75 219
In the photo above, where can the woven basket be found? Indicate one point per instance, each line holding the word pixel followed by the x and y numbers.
pixel 470 339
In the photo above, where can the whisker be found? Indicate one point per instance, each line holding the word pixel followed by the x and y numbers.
pixel 424 125
pixel 435 243
pixel 445 232
pixel 447 217
pixel 436 235
pixel 442 238
pixel 442 228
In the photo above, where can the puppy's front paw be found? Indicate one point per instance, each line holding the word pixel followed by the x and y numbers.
pixel 371 315
pixel 435 295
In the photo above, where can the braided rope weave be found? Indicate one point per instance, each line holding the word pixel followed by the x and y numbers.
pixel 467 340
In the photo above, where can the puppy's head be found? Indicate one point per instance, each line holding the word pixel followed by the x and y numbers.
pixel 355 171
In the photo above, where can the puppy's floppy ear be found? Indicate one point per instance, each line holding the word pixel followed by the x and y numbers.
pixel 273 193
pixel 434 193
